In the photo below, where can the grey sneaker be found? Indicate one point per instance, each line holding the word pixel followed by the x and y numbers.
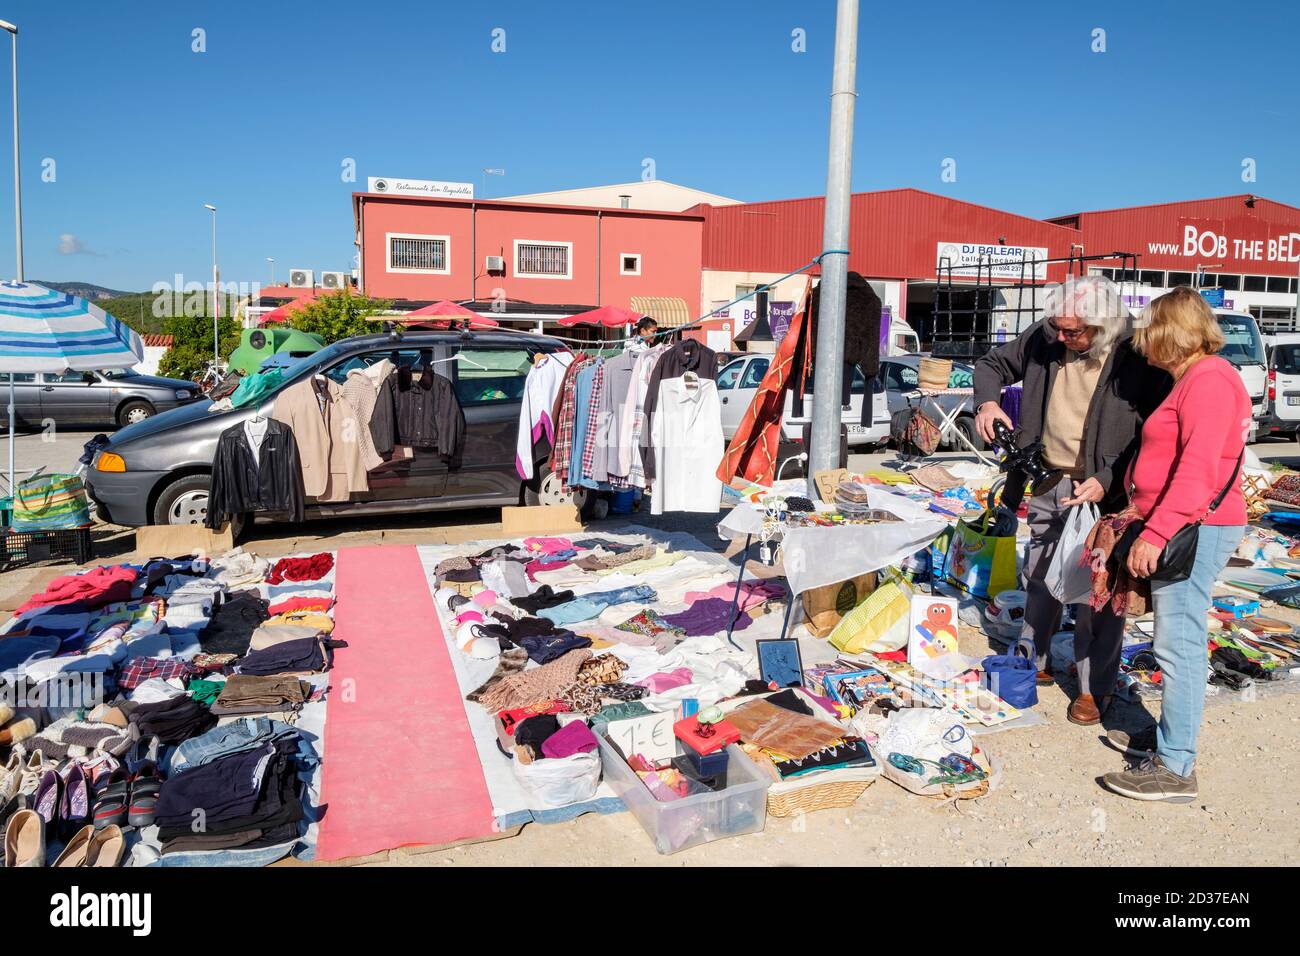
pixel 1141 744
pixel 1152 780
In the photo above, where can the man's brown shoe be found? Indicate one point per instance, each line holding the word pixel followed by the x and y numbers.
pixel 1046 679
pixel 1084 711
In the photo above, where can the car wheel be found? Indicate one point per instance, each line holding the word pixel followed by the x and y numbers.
pixel 545 488
pixel 966 425
pixel 134 411
pixel 185 501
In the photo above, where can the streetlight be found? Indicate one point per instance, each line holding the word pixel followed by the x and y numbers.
pixel 271 259
pixel 18 235
pixel 216 291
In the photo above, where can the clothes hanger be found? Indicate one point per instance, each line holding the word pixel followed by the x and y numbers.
pixel 460 357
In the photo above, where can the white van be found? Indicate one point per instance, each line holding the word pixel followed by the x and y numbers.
pixel 903 339
pixel 1283 384
pixel 1244 347
pixel 738 382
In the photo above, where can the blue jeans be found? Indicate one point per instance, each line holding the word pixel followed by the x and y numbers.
pixel 590 605
pixel 1180 646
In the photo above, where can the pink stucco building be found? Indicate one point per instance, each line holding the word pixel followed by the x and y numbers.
pixel 558 259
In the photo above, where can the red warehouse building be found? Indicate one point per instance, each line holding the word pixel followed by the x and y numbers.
pixel 525 262
pixel 1245 245
pixel 897 239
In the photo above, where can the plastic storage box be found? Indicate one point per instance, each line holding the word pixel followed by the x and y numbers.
pixel 690 821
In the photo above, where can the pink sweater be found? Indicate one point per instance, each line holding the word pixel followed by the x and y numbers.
pixel 1190 446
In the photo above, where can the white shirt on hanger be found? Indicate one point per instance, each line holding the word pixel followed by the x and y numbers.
pixel 255 431
pixel 687 439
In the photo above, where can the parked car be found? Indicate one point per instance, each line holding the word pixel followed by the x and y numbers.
pixel 738 382
pixel 158 471
pixel 1283 397
pixel 902 377
pixel 118 398
pixel 1243 346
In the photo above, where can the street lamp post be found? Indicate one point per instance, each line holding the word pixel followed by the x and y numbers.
pixel 216 291
pixel 18 235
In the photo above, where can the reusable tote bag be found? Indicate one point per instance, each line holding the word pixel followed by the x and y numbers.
pixel 979 563
pixel 50 503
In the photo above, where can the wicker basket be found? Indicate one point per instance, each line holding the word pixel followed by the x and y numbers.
pixel 818 796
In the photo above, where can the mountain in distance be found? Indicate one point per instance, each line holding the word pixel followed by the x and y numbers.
pixel 84 290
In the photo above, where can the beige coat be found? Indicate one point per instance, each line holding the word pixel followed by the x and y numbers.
pixel 334 460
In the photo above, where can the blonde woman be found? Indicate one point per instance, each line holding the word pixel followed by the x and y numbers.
pixel 1192 449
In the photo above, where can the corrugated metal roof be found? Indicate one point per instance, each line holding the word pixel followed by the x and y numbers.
pixel 892 233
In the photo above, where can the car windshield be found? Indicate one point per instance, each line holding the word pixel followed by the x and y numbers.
pixel 1242 344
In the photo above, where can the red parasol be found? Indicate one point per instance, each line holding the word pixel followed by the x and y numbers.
pixel 610 316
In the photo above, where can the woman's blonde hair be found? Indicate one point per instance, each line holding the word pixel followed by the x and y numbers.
pixel 1177 325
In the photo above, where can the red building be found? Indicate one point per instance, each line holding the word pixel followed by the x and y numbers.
pixel 530 262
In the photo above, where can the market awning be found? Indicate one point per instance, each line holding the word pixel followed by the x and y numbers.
pixel 446 309
pixel 668 311
pixel 609 316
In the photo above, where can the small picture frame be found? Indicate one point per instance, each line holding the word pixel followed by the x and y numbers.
pixel 779 662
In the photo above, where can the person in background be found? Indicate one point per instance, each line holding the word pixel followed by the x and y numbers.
pixel 1086 393
pixel 1192 450
pixel 646 331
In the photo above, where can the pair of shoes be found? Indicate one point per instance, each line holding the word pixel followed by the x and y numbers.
pixel 33 771
pixel 25 839
pixel 146 785
pixel 1084 711
pixel 92 847
pixel 1046 678
pixel 63 798
pixel 1151 780
pixel 1141 744
pixel 128 798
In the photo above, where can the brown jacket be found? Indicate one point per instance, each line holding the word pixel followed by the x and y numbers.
pixel 334 461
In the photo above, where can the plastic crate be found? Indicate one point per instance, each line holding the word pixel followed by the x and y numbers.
pixel 678 824
pixel 33 547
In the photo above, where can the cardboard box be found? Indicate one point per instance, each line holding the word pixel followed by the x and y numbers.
pixel 539 519
pixel 175 540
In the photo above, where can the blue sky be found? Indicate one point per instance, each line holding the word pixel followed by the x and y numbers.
pixel 143 130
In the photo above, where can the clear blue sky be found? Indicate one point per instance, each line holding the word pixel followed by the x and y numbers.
pixel 144 131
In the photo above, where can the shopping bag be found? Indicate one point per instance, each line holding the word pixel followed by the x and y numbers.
pixel 1013 676
pixel 560 781
pixel 980 563
pixel 824 607
pixel 877 624
pixel 1069 577
pixel 50 503
pixel 914 432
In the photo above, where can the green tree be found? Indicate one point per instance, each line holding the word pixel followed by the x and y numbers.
pixel 191 347
pixel 339 315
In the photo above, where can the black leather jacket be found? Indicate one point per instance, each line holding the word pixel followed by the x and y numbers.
pixel 240 483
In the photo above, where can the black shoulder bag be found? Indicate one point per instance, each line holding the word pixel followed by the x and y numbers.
pixel 1179 555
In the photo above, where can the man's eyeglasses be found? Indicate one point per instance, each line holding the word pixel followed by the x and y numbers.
pixel 1070 334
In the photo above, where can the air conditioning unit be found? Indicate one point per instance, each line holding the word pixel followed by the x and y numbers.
pixel 333 280
pixel 301 279
pixel 494 264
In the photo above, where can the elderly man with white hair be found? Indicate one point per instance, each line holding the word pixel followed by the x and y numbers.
pixel 1086 394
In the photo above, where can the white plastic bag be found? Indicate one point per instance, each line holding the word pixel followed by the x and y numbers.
pixel 560 781
pixel 1069 579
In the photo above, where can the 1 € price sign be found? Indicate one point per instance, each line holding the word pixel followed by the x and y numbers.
pixel 650 735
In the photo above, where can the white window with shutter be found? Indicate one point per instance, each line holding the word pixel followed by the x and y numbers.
pixel 543 260
pixel 408 252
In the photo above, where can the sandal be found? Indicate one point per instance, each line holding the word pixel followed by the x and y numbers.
pixel 146 784
pixel 112 800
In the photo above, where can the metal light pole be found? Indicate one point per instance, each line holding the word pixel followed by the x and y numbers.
pixel 829 373
pixel 216 291
pixel 18 236
pixel 271 259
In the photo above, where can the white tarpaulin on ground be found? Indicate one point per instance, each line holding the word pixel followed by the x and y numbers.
pixel 815 556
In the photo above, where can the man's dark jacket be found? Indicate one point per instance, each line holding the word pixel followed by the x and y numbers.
pixel 1128 390
pixel 242 484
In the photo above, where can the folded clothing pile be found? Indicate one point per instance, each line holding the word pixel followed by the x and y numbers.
pixel 245 800
pixel 251 694
pixel 311 568
pixel 171 721
pixel 311 655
